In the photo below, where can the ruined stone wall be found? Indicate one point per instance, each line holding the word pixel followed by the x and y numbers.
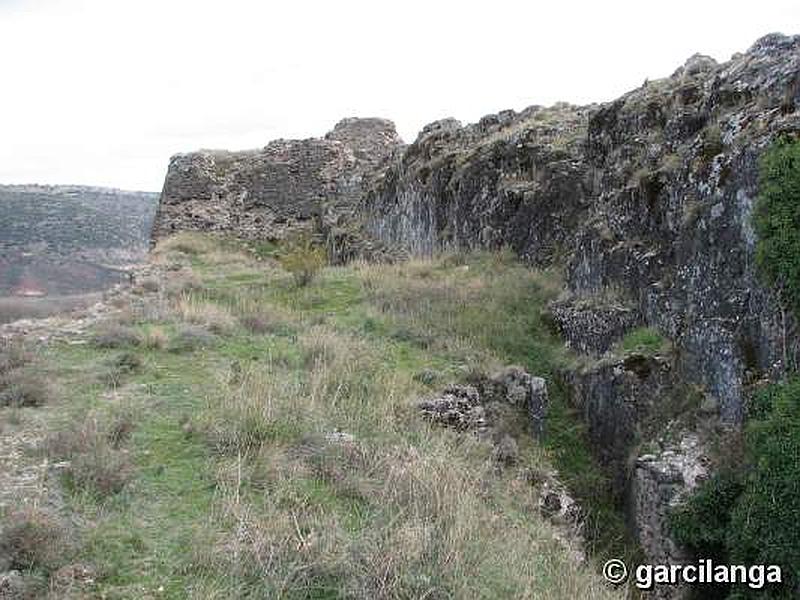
pixel 268 193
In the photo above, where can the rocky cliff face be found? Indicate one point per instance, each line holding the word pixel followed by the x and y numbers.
pixel 515 180
pixel 287 186
pixel 645 202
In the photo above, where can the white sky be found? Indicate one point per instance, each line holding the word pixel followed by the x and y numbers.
pixel 103 92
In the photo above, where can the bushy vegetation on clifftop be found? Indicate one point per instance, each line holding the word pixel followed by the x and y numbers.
pixel 777 219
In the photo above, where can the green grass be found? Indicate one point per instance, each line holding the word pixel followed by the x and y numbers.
pixel 236 491
pixel 645 340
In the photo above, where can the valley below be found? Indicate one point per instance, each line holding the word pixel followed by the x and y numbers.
pixel 61 246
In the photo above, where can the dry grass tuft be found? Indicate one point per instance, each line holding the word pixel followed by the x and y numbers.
pixel 97 465
pixel 21 384
pixel 154 338
pixel 119 367
pixel 114 335
pixel 24 388
pixel 190 338
pixel 212 316
pixel 13 355
pixel 183 282
pixel 34 539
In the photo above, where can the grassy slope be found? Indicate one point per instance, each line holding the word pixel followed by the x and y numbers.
pixel 235 491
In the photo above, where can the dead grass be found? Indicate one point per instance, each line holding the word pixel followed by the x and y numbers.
pixel 115 335
pixel 184 247
pixel 97 464
pixel 154 338
pixel 367 513
pixel 25 387
pixel 198 311
pixel 190 338
pixel 183 282
pixel 34 539
pixel 328 483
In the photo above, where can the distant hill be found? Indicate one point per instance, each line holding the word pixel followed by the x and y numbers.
pixel 58 240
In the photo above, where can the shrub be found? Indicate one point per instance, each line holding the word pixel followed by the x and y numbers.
pixel 765 522
pixel 777 219
pixel 303 259
pixel 753 516
pixel 191 338
pixel 704 522
pixel 100 471
pixel 34 539
pixel 19 388
pixel 115 336
pixel 96 465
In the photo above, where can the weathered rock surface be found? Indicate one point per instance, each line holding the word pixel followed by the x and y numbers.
pixel 659 483
pixel 459 407
pixel 647 199
pixel 616 396
pixel 592 325
pixel 287 186
pixel 515 386
pixel 473 407
pixel 512 179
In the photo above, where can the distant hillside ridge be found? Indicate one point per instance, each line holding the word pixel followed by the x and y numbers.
pixel 57 240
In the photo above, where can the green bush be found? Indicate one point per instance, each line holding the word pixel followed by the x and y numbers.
pixel 777 219
pixel 703 524
pixel 753 516
pixel 765 522
pixel 303 259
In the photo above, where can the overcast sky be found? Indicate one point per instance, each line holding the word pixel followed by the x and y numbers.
pixel 103 92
